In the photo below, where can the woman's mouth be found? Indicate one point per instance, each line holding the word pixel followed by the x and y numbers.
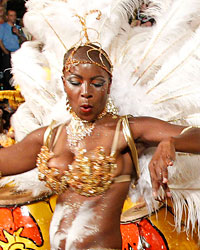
pixel 86 108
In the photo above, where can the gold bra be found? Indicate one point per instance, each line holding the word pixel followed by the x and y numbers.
pixel 86 176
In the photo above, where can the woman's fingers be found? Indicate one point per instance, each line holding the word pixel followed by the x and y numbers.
pixel 166 189
pixel 164 175
pixel 155 178
pixel 158 167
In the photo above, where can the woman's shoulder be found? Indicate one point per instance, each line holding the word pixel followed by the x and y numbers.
pixel 41 134
pixel 137 124
pixel 37 136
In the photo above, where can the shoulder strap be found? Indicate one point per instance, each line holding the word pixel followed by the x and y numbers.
pixel 48 135
pixel 57 134
pixel 115 139
pixel 129 138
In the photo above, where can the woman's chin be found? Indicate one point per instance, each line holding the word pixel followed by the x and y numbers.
pixel 87 116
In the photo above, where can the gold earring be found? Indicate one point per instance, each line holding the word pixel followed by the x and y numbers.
pixel 68 107
pixel 110 106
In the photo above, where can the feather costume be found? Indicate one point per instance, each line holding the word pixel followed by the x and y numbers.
pixel 156 73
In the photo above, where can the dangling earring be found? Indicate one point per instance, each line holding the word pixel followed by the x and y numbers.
pixel 110 106
pixel 68 107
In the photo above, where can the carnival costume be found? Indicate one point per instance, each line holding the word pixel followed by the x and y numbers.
pixel 86 177
pixel 156 73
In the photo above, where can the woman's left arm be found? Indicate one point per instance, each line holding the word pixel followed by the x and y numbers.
pixel 168 138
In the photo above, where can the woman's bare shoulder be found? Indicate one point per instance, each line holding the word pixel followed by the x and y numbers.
pixel 36 136
pixel 141 124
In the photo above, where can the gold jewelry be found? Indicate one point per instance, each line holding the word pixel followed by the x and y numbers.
pixel 110 106
pixel 72 61
pixel 94 46
pixel 1 175
pixel 78 129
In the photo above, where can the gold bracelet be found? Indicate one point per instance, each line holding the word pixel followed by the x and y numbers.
pixel 1 175
pixel 186 129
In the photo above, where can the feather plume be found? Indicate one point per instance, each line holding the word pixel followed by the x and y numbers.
pixel 170 26
pixel 184 185
pixel 190 49
pixel 45 101
pixel 22 183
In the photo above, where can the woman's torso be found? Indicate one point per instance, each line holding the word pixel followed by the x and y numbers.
pixel 82 222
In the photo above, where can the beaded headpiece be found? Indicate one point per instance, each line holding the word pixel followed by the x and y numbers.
pixel 92 47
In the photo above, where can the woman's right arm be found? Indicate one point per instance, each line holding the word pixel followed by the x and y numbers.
pixel 21 157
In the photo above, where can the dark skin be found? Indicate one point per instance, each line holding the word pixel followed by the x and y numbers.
pixel 88 84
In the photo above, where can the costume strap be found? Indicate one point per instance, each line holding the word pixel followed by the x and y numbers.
pixel 48 135
pixel 122 178
pixel 116 137
pixel 129 138
pixel 57 134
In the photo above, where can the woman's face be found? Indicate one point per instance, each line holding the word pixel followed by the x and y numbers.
pixel 87 87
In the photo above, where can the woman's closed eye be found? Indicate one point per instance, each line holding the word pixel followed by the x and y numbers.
pixel 95 83
pixel 74 82
pixel 98 83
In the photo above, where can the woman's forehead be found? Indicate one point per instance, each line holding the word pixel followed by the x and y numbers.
pixel 88 53
pixel 87 70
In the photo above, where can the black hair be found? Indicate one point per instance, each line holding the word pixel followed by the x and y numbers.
pixel 94 52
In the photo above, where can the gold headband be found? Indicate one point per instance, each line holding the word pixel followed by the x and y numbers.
pixel 72 61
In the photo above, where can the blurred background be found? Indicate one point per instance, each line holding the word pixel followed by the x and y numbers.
pixel 17 5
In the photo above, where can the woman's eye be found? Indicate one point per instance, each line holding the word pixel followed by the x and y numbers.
pixel 98 84
pixel 74 82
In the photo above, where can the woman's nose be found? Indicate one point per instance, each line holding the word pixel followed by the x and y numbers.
pixel 86 90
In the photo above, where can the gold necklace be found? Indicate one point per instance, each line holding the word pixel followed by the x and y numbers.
pixel 78 129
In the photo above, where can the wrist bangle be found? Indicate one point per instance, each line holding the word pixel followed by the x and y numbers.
pixel 186 129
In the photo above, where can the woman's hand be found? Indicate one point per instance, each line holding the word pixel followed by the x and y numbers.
pixel 163 157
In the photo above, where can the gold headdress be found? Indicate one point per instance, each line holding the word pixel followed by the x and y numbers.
pixel 93 47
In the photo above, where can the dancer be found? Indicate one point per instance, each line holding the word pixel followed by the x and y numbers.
pixel 90 173
pixel 94 125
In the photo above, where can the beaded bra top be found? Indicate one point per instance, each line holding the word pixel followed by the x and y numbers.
pixel 86 176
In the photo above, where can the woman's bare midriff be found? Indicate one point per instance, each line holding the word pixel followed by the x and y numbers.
pixel 94 220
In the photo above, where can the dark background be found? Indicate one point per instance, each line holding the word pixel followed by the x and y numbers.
pixel 17 5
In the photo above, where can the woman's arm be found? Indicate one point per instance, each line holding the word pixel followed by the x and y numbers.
pixel 168 139
pixel 21 157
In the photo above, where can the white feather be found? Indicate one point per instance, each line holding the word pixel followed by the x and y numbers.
pixel 174 20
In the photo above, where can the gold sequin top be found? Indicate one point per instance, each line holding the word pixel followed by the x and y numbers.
pixel 86 176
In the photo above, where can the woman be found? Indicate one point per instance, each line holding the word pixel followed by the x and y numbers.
pixel 88 161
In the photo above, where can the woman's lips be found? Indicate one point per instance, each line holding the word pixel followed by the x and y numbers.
pixel 86 108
